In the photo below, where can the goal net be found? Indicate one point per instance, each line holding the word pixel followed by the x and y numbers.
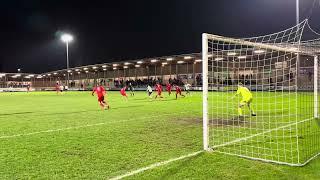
pixel 260 97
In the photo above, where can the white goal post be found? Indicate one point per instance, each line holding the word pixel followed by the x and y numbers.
pixel 205 91
pixel 259 100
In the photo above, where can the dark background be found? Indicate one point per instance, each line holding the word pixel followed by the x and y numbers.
pixel 106 30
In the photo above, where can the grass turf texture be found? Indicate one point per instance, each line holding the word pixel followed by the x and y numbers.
pixel 75 139
pixel 273 133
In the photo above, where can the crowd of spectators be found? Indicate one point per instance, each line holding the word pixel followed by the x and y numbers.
pixel 244 79
pixel 140 83
pixel 17 85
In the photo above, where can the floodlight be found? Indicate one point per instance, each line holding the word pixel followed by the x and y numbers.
pixel 231 53
pixel 66 38
pixel 218 59
pixel 242 57
pixel 259 51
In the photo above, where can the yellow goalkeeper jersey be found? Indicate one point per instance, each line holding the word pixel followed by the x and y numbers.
pixel 245 93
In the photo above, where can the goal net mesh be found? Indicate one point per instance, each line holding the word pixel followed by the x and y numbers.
pixel 272 116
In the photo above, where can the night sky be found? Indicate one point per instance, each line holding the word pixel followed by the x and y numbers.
pixel 108 30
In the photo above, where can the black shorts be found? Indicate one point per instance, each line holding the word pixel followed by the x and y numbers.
pixel 149 93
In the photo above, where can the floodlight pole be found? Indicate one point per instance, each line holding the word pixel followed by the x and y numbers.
pixel 315 86
pixel 67 46
pixel 66 38
pixel 297 12
pixel 298 55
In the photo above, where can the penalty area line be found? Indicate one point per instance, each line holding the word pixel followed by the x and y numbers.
pixel 81 126
pixel 61 129
pixel 155 165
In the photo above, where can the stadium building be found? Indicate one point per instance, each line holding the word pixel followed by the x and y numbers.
pixel 176 69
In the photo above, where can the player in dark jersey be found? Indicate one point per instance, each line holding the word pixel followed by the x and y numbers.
pixel 28 88
pixel 57 88
pixel 101 92
pixel 169 88
pixel 178 91
pixel 158 88
pixel 131 89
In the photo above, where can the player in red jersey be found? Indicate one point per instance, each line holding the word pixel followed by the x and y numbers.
pixel 123 93
pixel 169 88
pixel 158 88
pixel 178 91
pixel 101 92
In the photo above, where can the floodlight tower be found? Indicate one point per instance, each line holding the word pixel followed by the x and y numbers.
pixel 297 23
pixel 67 38
pixel 297 12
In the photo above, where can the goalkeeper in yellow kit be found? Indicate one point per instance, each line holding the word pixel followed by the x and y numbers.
pixel 246 99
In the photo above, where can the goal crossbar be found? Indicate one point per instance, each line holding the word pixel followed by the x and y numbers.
pixel 274 47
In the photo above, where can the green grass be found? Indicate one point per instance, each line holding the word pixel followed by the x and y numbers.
pixel 276 135
pixel 68 137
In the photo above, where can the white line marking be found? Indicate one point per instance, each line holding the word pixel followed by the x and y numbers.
pixel 155 165
pixel 84 126
pixel 52 130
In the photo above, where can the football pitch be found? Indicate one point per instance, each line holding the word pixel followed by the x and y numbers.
pixel 44 135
